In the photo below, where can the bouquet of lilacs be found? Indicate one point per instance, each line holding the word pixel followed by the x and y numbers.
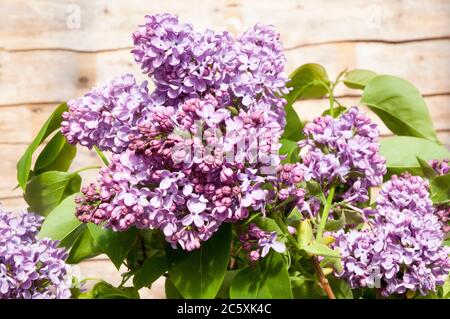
pixel 212 180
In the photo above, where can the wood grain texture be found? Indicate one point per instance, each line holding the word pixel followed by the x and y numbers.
pixel 45 61
pixel 52 76
pixel 107 25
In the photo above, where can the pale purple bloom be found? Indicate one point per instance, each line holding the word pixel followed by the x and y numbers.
pixel 30 268
pixel 107 115
pixel 344 150
pixel 214 93
pixel 402 248
pixel 257 242
pixel 442 211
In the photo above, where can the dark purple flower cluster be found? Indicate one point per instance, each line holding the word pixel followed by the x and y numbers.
pixel 289 176
pixel 30 267
pixel 257 242
pixel 196 151
pixel 442 211
pixel 440 167
pixel 345 151
pixel 401 249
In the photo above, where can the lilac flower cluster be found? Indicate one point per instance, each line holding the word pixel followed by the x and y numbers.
pixel 440 167
pixel 344 150
pixel 185 63
pixel 442 211
pixel 30 267
pixel 257 242
pixel 191 154
pixel 402 248
pixel 289 176
pixel 107 115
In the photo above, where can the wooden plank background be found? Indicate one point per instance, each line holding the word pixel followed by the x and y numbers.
pixel 54 50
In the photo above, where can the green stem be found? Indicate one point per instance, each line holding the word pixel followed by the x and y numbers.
pixel 331 97
pixel 101 155
pixel 283 227
pixel 326 211
pixel 87 168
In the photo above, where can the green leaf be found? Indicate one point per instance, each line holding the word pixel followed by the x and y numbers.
pixel 224 291
pixel 72 237
pixel 57 155
pixel 358 78
pixel 267 224
pixel 336 224
pixel 321 250
pixel 340 288
pixel 171 291
pixel 114 244
pixel 268 280
pixel 84 247
pixel 306 82
pixel 24 164
pixel 104 290
pixel 152 269
pixel 440 189
pixel 308 290
pixel 352 217
pixel 61 221
pixel 427 170
pixel 305 234
pixel 199 273
pixel 400 106
pixel 446 288
pixel 337 111
pixel 44 192
pixel 401 153
pixel 314 188
pixel 290 149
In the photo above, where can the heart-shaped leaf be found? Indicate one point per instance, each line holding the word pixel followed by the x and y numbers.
pixel 268 280
pixel 290 150
pixel 401 153
pixel 24 164
pixel 152 269
pixel 440 189
pixel 84 247
pixel 199 273
pixel 114 244
pixel 57 155
pixel 305 82
pixel 61 221
pixel 358 78
pixel 400 106
pixel 44 192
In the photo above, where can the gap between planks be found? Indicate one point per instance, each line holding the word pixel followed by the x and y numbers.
pixel 291 48
pixel 342 96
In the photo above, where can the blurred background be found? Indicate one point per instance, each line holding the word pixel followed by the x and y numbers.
pixel 55 50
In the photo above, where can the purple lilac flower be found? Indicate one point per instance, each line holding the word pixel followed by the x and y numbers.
pixel 30 268
pixel 401 249
pixel 197 148
pixel 345 151
pixel 288 179
pixel 257 242
pixel 184 63
pixel 107 115
pixel 440 167
pixel 442 211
